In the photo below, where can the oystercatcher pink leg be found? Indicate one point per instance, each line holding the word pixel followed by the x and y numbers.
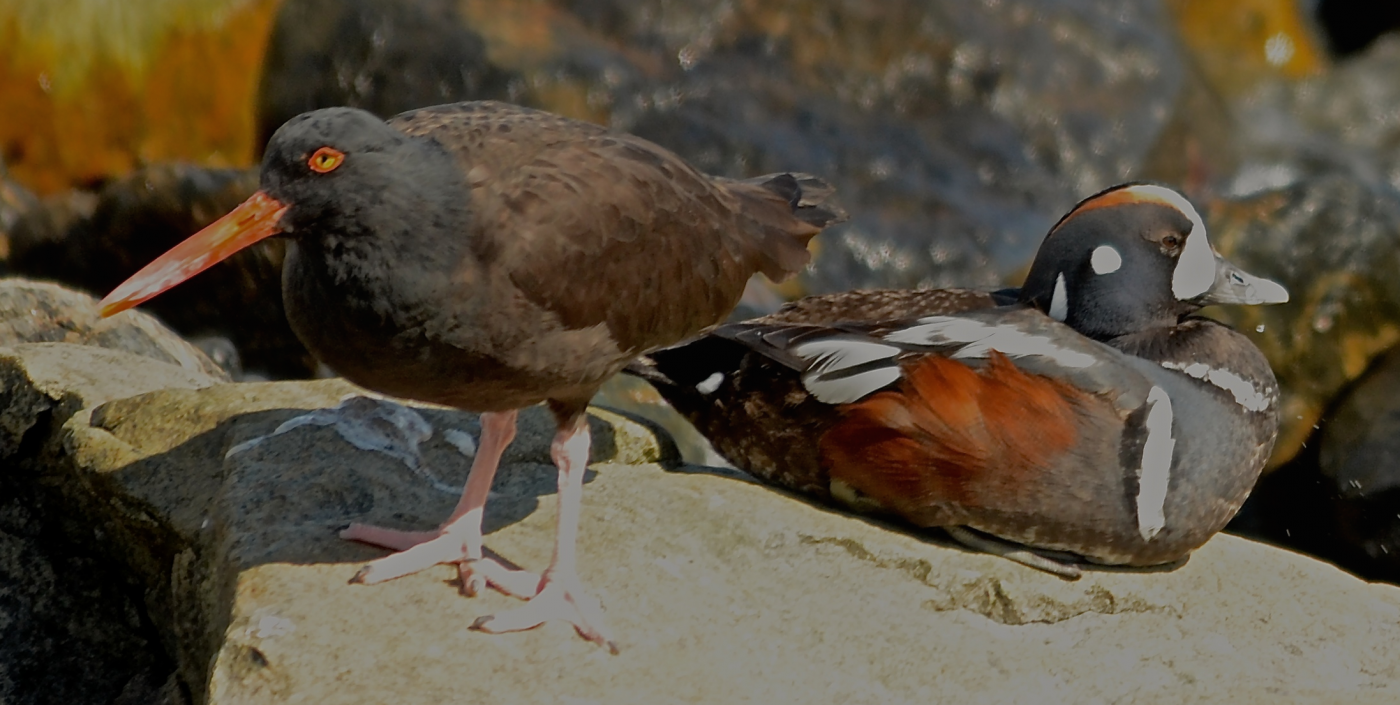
pixel 561 594
pixel 458 540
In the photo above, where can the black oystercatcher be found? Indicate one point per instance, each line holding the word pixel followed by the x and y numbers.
pixel 1090 412
pixel 491 257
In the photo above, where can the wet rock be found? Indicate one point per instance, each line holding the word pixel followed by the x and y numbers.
pixel 1340 498
pixel 1330 241
pixel 222 502
pixel 952 140
pixel 94 241
pixel 1344 122
pixel 15 201
pixel 385 56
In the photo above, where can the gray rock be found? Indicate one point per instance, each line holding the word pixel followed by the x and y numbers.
pixel 1342 122
pixel 72 628
pixel 1330 241
pixel 223 506
pixel 951 139
pixel 385 56
pixel 39 312
pixel 189 501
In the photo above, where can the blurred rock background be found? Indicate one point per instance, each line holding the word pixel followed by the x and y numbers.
pixel 956 133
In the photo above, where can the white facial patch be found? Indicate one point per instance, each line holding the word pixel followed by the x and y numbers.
pixel 1059 301
pixel 830 379
pixel 1195 270
pixel 980 339
pixel 708 385
pixel 1105 260
pixel 1245 394
pixel 1155 474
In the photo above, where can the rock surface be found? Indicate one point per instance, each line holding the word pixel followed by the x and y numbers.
pixel 73 626
pixel 385 56
pixel 38 312
pixel 719 589
pixel 1315 205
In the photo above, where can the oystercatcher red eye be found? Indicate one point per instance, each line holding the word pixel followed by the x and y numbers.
pixel 325 159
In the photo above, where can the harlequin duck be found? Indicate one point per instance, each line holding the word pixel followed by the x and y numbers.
pixel 1088 415
pixel 490 257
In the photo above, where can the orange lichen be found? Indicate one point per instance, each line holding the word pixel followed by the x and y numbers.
pixel 180 90
pixel 1239 43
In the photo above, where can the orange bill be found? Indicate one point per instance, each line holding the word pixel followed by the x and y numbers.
pixel 253 220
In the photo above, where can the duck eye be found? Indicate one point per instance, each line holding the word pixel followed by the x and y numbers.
pixel 1171 242
pixel 325 159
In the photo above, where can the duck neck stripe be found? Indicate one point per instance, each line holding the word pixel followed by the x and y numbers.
pixel 1245 394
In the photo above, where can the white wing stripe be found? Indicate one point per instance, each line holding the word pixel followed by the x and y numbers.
pixel 980 339
pixel 845 390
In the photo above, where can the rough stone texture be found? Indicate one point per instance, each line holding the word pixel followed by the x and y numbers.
pixel 38 312
pixel 188 522
pixel 952 140
pixel 719 589
pixel 46 383
pixel 1330 241
pixel 385 56
pixel 72 624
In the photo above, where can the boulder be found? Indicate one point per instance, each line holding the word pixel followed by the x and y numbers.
pixel 39 312
pixel 385 56
pixel 223 502
pixel 72 623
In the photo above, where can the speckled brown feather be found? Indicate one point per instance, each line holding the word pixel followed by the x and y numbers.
pixel 557 201
pixel 884 305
